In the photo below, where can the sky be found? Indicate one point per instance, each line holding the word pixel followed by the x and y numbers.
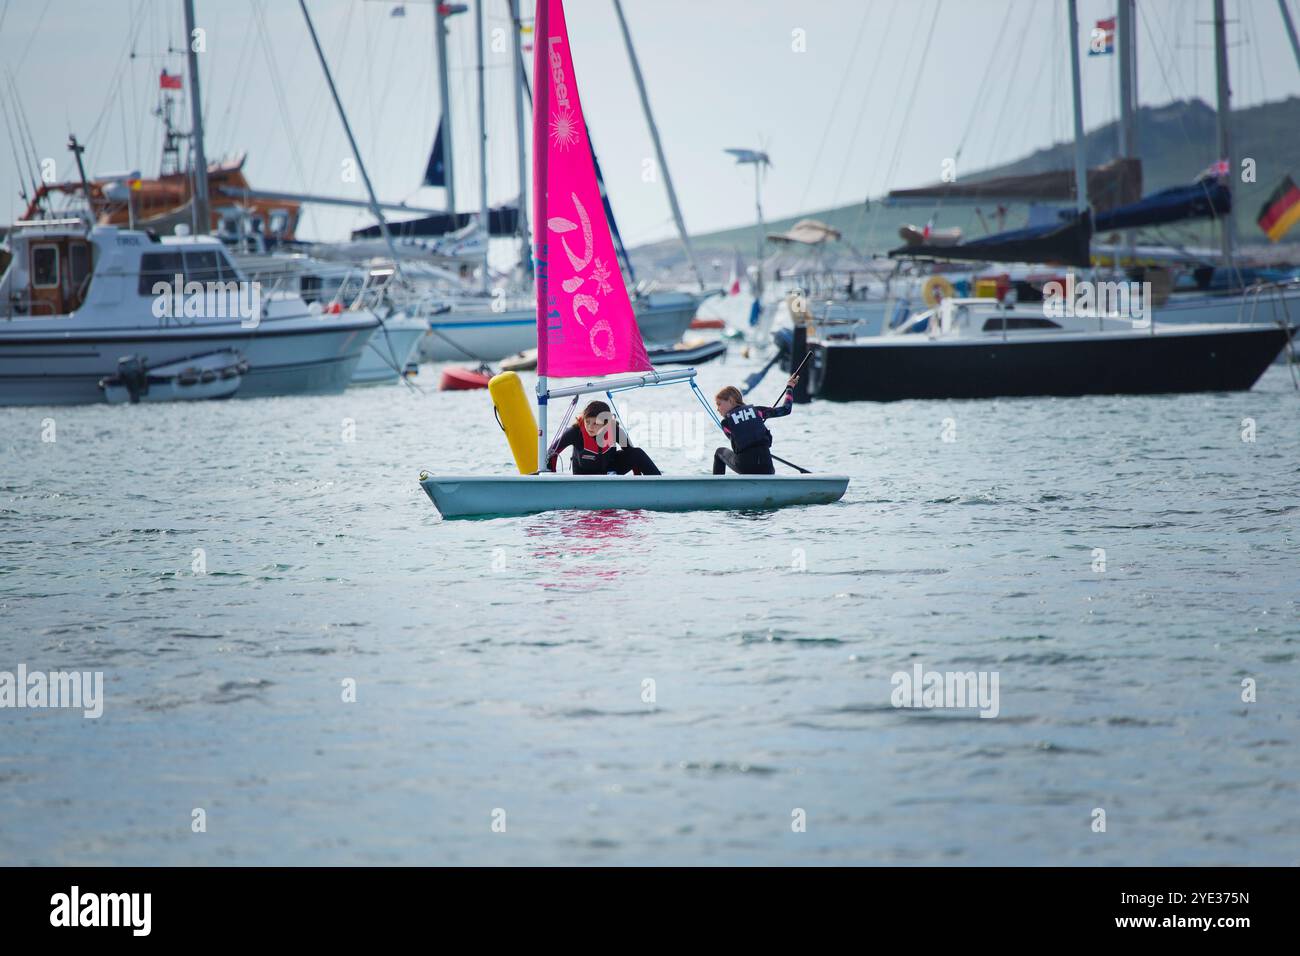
pixel 849 99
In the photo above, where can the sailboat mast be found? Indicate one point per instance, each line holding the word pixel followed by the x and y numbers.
pixel 202 218
pixel 541 99
pixel 659 149
pixel 1223 122
pixel 1127 93
pixel 525 253
pixel 1080 153
pixel 482 142
pixel 444 94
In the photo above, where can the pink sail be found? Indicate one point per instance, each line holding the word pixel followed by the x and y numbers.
pixel 585 323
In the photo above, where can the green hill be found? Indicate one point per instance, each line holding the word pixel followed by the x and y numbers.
pixel 1175 143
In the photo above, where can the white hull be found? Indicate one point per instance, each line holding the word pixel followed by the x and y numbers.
pixel 59 338
pixel 483 335
pixel 391 349
pixel 301 356
pixel 493 496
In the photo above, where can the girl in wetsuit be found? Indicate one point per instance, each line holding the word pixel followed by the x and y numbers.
pixel 750 439
pixel 593 436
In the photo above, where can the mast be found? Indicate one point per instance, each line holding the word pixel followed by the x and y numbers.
pixel 659 149
pixel 356 153
pixel 444 93
pixel 202 217
pixel 1080 154
pixel 1290 30
pixel 482 142
pixel 1127 93
pixel 525 253
pixel 541 98
pixel 77 149
pixel 1223 123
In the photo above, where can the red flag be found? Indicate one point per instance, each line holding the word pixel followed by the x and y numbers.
pixel 167 81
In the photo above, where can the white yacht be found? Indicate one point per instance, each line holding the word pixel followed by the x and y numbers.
pixel 476 329
pixel 340 288
pixel 79 299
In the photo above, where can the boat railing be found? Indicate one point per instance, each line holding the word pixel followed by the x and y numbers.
pixel 27 307
pixel 1276 293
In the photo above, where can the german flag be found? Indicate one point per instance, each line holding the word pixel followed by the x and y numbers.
pixel 1282 211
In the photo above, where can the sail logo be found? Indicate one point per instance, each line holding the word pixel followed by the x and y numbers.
pixel 600 335
pixel 1086 299
pixel 957 690
pixel 564 129
pixel 208 300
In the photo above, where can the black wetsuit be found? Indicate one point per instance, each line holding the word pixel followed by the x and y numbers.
pixel 589 458
pixel 750 439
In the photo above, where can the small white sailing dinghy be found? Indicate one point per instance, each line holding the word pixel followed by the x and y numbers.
pixel 586 327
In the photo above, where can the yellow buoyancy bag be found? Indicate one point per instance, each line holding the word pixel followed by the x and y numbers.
pixel 515 413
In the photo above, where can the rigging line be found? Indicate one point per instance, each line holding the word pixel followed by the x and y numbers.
pixel 1259 60
pixel 13 145
pixel 276 86
pixel 857 126
pixel 979 94
pixel 830 119
pixel 1023 141
pixel 31 41
pixel 122 62
pixel 1182 126
pixel 911 103
pixel 233 94
pixel 318 112
pixel 24 135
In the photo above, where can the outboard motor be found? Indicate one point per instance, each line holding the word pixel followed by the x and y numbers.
pixel 133 373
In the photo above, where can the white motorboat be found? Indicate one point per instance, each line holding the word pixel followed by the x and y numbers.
pixel 77 298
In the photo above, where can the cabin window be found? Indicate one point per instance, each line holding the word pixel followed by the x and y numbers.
pixel 228 271
pixel 279 222
pixel 79 263
pixel 1018 322
pixel 202 266
pixel 45 267
pixel 309 287
pixel 159 267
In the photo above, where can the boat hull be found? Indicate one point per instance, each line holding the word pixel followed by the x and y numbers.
pixel 1181 359
pixel 296 358
pixel 505 495
pixel 390 351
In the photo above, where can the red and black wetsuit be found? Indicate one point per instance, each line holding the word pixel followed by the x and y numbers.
pixel 590 457
pixel 750 439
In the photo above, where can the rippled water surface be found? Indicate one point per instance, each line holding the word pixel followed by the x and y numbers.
pixel 502 665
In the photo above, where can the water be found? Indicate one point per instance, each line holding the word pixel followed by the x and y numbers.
pixel 500 665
